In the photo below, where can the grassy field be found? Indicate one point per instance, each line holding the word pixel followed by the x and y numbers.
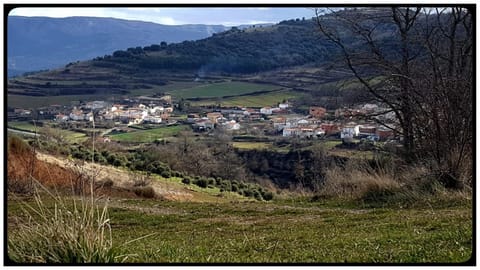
pixel 222 89
pixel 149 135
pixel 251 145
pixel 262 100
pixel 287 232
pixel 68 135
pixel 73 137
pixel 24 126
pixel 30 102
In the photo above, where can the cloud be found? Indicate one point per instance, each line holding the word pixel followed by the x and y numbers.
pixel 227 16
pixel 60 12
pixel 167 20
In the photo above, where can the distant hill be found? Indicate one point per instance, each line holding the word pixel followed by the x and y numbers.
pixel 290 54
pixel 36 43
pixel 236 51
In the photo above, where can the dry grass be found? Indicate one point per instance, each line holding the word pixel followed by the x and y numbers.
pixel 67 232
pixel 358 184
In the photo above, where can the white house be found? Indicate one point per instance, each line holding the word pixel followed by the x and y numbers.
pixel 157 110
pixel 77 115
pixel 89 116
pixel 288 132
pixel 152 119
pixel 266 110
pixel 347 133
pixel 302 122
pixel 231 125
pixel 319 132
pixel 283 106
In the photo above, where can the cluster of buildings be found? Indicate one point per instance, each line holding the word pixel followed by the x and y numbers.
pixel 231 119
pixel 348 124
pixel 345 123
pixel 125 113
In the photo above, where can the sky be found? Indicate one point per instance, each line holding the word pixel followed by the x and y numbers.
pixel 177 16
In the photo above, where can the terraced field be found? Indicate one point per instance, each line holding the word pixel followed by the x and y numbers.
pixel 223 89
pixel 261 100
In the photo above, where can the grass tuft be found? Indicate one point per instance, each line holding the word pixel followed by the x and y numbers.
pixel 67 232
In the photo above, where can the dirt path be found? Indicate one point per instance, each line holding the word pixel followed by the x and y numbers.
pixel 120 178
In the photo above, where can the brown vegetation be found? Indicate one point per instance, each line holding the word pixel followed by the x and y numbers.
pixel 23 167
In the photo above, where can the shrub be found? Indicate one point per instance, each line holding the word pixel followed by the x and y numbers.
pixel 20 186
pixel 166 174
pixel 202 182
pixel 145 192
pixel 247 193
pixel 267 196
pixel 17 146
pixel 235 188
pixel 118 162
pixel 257 195
pixel 186 180
pixel 211 181
pixel 107 183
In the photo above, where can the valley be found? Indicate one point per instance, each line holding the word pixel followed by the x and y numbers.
pixel 307 141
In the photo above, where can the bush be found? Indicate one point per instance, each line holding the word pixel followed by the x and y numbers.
pixel 145 192
pixel 202 182
pixel 186 181
pixel 166 174
pixel 267 196
pixel 211 181
pixel 20 186
pixel 257 195
pixel 17 146
pixel 247 193
pixel 107 183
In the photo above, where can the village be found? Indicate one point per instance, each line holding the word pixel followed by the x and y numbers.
pixel 347 124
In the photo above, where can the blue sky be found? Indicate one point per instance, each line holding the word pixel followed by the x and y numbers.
pixel 176 16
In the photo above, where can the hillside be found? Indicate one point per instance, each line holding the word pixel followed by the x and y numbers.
pixel 232 54
pixel 291 54
pixel 36 43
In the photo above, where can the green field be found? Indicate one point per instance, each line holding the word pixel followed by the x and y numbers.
pixel 24 126
pixel 222 89
pixel 30 102
pixel 149 135
pixel 251 145
pixel 262 100
pixel 73 137
pixel 287 232
pixel 68 135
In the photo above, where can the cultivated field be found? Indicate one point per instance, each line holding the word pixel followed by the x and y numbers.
pixel 149 135
pixel 255 101
pixel 222 89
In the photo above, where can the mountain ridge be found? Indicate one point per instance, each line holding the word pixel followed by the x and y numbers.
pixel 36 43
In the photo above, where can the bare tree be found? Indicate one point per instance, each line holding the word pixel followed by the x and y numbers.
pixel 418 62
